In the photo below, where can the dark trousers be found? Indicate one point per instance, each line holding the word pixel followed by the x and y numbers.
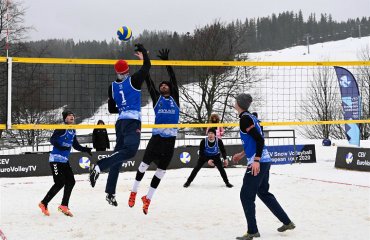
pixel 218 163
pixel 259 185
pixel 127 142
pixel 160 151
pixel 63 177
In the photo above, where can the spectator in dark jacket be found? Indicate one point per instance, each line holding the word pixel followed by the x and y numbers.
pixel 100 138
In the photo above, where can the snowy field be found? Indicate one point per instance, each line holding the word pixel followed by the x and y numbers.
pixel 324 202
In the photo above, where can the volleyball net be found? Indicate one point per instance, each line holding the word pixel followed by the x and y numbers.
pixel 35 91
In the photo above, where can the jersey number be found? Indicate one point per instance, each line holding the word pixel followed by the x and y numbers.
pixel 123 97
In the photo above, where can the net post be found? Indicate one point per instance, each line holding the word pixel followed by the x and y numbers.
pixel 9 101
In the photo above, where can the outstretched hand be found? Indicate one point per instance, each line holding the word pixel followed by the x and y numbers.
pixel 140 48
pixel 163 53
pixel 139 55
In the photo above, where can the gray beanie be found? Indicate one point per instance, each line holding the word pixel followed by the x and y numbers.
pixel 244 101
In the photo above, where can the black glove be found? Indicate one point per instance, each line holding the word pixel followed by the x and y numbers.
pixel 163 54
pixel 140 48
pixel 88 151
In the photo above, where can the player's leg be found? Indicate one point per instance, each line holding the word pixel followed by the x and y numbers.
pixel 130 132
pixel 128 141
pixel 269 199
pixel 195 171
pixel 248 194
pixel 158 175
pixel 69 180
pixel 144 165
pixel 149 155
pixel 58 185
pixel 220 167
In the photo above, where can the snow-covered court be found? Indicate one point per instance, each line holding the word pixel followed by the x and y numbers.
pixel 324 203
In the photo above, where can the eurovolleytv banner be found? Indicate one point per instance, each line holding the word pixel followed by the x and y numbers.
pixel 28 165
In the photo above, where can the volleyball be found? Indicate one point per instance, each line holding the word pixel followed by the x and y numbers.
pixel 185 157
pixel 124 33
pixel 84 162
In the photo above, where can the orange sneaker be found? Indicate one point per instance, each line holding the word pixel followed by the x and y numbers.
pixel 146 203
pixel 44 209
pixel 131 200
pixel 65 210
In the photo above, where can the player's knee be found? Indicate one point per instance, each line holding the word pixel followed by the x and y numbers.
pixel 59 184
pixel 71 182
pixel 131 151
pixel 143 167
pixel 159 173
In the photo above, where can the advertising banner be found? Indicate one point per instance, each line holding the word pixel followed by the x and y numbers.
pixel 353 158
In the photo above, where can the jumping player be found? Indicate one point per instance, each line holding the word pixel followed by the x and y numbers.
pixel 161 145
pixel 124 99
pixel 62 140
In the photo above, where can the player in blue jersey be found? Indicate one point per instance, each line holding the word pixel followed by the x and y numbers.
pixel 124 99
pixel 210 150
pixel 162 143
pixel 62 140
pixel 256 178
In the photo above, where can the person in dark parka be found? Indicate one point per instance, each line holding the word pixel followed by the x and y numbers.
pixel 100 138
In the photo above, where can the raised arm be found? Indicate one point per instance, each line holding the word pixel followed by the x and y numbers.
pixel 154 94
pixel 163 55
pixel 138 77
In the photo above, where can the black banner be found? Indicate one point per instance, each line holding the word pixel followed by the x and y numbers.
pixel 28 165
pixel 353 158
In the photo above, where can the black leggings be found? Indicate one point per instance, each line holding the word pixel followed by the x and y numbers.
pixel 218 163
pixel 63 177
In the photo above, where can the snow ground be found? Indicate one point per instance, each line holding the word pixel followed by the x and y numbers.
pixel 324 202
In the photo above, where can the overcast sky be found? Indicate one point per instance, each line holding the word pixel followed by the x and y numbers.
pixel 100 19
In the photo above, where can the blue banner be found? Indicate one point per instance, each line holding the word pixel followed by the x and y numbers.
pixel 285 154
pixel 351 103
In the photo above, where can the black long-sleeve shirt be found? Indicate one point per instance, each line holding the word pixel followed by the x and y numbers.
pixel 137 80
pixel 155 94
pixel 202 147
pixel 247 126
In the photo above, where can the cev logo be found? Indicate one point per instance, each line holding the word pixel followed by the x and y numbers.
pixel 349 158
pixel 361 154
pixel 344 81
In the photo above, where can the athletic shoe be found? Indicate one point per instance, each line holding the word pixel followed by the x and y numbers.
pixel 111 198
pixel 44 209
pixel 249 236
pixel 146 203
pixel 283 228
pixel 93 175
pixel 131 200
pixel 186 185
pixel 229 185
pixel 65 210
